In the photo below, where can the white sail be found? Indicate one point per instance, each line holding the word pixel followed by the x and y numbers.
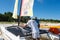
pixel 15 10
pixel 27 8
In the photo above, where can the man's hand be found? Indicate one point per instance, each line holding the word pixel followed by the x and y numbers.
pixel 38 25
pixel 22 25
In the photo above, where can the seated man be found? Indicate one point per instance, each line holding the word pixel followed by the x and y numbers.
pixel 35 30
pixel 37 21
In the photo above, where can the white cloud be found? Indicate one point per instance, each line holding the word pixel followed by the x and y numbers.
pixel 41 1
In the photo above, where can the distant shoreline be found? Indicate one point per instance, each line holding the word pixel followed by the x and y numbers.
pixel 7 22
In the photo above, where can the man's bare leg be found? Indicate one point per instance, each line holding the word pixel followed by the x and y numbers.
pixel 38 38
pixel 34 39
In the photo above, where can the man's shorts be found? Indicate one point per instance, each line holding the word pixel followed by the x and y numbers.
pixel 35 35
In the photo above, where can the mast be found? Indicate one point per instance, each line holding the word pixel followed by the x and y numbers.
pixel 19 13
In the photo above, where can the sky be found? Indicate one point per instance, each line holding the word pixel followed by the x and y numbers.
pixel 47 9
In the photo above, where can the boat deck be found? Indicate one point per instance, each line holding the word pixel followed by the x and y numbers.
pixel 18 31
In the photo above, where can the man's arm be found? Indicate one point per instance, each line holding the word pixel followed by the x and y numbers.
pixel 23 25
pixel 38 25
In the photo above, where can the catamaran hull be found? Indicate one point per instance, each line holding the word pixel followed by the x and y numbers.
pixel 9 36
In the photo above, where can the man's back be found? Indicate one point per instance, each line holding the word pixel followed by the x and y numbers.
pixel 34 26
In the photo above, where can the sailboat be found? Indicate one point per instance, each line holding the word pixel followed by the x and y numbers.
pixel 15 32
